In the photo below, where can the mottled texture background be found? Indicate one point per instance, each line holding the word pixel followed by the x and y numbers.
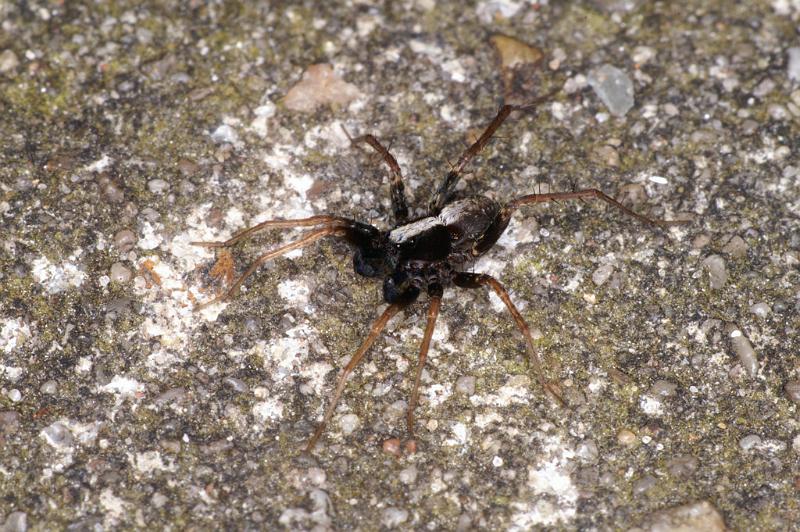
pixel 126 132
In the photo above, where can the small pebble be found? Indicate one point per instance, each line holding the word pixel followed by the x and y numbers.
pixel 408 475
pixel 395 410
pixel 744 350
pixel 792 389
pixel 614 88
pixel 465 385
pixel 736 247
pixel 606 155
pixel 8 61
pixel 662 388
pixel 760 309
pixel 602 273
pixel 393 517
pixel 15 395
pixel 238 385
pixel 749 442
pixel 15 522
pixel 349 423
pixel 587 451
pixel 683 466
pixel 119 273
pixel 124 240
pixel 514 53
pixel 793 64
pixel 626 437
pixel 698 516
pixel 157 186
pixel 49 387
pixel 644 484
pixel 392 446
pixel 57 435
pixel 9 422
pixel 701 241
pixel 320 86
pixel 225 134
pixel 717 272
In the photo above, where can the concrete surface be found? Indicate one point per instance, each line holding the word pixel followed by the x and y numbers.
pixel 127 132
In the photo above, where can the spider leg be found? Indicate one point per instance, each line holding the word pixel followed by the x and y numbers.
pixel 309 238
pixel 397 188
pixel 247 232
pixel 591 193
pixel 433 313
pixel 445 190
pixel 376 329
pixel 476 280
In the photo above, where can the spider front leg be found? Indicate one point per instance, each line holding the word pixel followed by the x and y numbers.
pixel 353 231
pixel 446 189
pixel 397 188
pixel 477 280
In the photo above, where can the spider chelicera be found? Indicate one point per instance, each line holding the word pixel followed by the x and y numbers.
pixel 424 254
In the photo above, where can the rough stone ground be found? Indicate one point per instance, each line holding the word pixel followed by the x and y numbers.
pixel 127 132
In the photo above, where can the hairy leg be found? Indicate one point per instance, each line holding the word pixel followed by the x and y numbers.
pixel 475 280
pixel 583 194
pixel 376 329
pixel 397 188
pixel 445 190
pixel 248 232
pixel 433 313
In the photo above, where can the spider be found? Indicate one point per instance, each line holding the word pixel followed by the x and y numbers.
pixel 426 254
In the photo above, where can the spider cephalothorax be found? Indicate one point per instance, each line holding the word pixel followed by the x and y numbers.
pixel 425 255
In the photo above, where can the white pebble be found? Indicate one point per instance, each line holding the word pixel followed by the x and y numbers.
pixel 349 423
pixel 760 309
pixel 157 186
pixel 744 350
pixel 793 66
pixel 614 88
pixel 717 272
pixel 393 517
pixel 749 442
pixel 602 273
pixel 465 385
pixel 119 273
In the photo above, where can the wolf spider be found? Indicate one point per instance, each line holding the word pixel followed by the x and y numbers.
pixel 424 254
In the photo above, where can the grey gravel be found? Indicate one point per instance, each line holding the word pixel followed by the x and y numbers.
pixel 760 309
pixel 793 63
pixel 8 61
pixel 743 349
pixel 701 515
pixel 662 388
pixel 614 88
pixel 16 522
pixel 119 273
pixel 792 389
pixel 58 435
pixel 602 273
pixel 717 271
pixel 393 517
pixel 125 240
pixel 158 186
pixel 750 442
pixel 465 385
pixel 736 247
